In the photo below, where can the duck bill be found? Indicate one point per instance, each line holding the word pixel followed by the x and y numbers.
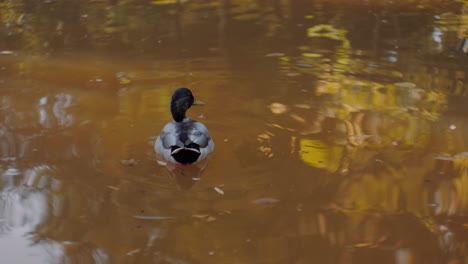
pixel 199 103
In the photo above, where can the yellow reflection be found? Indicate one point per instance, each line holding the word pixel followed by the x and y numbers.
pixel 320 155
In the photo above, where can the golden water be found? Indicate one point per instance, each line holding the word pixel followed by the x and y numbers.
pixel 340 128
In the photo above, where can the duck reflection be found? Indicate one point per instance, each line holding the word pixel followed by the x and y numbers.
pixel 185 176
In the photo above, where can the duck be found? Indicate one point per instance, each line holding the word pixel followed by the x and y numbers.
pixel 184 141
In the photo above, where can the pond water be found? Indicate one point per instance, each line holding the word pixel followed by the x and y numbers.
pixel 341 131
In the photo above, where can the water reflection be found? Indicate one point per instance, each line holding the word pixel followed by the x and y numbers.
pixel 341 130
pixel 185 176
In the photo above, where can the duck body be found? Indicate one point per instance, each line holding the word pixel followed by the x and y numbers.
pixel 183 141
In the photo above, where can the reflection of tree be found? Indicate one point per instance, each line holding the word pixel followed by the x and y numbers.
pixel 351 122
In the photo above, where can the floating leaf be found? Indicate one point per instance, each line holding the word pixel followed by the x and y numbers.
pixel 312 55
pixel 361 245
pixel 275 54
pixel 265 200
pixel 210 218
pixel 218 190
pixel 162 163
pixel 200 216
pixel 125 81
pixel 206 217
pixel 444 158
pixel 278 108
pixel 113 187
pixel 134 251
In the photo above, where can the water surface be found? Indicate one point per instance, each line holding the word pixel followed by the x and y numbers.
pixel 340 128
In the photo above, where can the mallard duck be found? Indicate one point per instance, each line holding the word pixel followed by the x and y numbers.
pixel 183 141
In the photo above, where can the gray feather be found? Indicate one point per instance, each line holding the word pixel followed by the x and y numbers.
pixel 182 134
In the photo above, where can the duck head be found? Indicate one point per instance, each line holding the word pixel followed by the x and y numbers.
pixel 181 101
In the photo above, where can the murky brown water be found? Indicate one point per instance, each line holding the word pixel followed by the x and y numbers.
pixel 341 131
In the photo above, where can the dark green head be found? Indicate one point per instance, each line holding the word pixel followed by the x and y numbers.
pixel 181 101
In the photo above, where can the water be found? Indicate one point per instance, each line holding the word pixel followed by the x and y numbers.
pixel 340 131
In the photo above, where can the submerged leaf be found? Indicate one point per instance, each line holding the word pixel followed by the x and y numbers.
pixel 275 54
pixel 130 162
pixel 265 200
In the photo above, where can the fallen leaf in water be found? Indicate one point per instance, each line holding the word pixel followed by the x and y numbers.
pixel 218 190
pixel 200 216
pixel 113 188
pixel 465 225
pixel 264 136
pixel 444 158
pixel 125 81
pixel 162 163
pixel 206 217
pixel 275 54
pixel 312 55
pixel 134 251
pixel 144 217
pixel 278 108
pixel 361 245
pixel 265 200
pixel 210 218
pixel 130 162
